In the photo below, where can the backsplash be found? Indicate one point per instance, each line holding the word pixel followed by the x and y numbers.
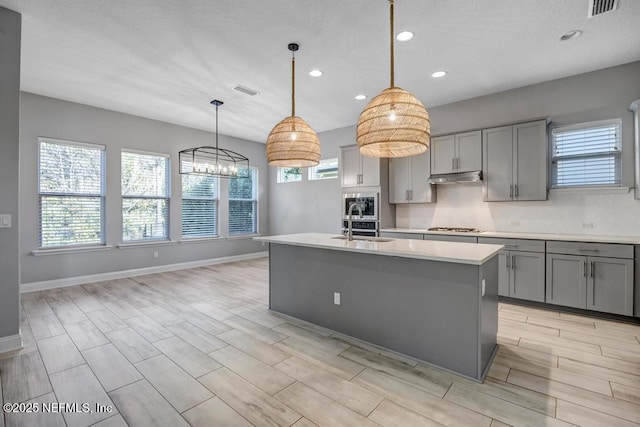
pixel 567 212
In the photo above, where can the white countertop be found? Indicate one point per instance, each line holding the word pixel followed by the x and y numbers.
pixel 631 240
pixel 462 253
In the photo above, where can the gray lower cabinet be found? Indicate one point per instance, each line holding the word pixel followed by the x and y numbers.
pixel 521 268
pixel 600 283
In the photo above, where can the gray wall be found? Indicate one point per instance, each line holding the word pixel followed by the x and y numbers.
pixel 9 170
pixel 54 118
pixel 598 95
pixel 309 206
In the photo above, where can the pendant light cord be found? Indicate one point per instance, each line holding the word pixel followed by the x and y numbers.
pixel 216 135
pixel 293 83
pixel 391 37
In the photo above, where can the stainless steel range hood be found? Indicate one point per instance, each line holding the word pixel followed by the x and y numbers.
pixel 455 178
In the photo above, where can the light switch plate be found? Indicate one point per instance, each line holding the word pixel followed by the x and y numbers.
pixel 5 221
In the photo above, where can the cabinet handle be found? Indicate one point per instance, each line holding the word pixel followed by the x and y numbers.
pixel 516 190
pixel 457 163
pixel 593 269
pixel 453 164
pixel 508 262
pixel 589 250
pixel 410 194
pixel 584 267
pixel 513 262
pixel 510 190
pixel 406 195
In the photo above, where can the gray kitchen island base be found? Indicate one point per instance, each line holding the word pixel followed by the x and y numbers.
pixel 433 311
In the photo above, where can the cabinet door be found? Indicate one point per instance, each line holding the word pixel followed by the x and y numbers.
pixel 399 179
pixel 442 154
pixel 469 155
pixel 370 170
pixel 497 159
pixel 527 276
pixel 503 273
pixel 530 161
pixel 421 190
pixel 567 280
pixel 610 285
pixel 350 166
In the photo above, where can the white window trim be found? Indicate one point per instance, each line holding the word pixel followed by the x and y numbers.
pixel 255 199
pixel 78 247
pixel 184 238
pixel 167 197
pixel 590 188
pixel 138 243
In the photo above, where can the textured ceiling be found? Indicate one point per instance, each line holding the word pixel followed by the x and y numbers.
pixel 166 59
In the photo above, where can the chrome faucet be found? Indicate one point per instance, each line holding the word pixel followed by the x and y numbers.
pixel 350 228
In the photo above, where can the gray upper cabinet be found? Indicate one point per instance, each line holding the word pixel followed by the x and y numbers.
pixel 408 180
pixel 358 170
pixel 515 162
pixel 461 152
pixel 601 282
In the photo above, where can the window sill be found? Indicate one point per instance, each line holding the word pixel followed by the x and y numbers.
pixel 200 239
pixel 243 236
pixel 144 244
pixel 591 190
pixel 60 251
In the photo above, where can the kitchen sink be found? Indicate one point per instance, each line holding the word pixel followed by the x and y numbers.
pixel 366 238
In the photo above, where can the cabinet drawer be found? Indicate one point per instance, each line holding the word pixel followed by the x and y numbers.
pixel 451 238
pixel 611 250
pixel 515 244
pixel 394 235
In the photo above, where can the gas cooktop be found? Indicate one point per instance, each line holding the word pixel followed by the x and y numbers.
pixel 455 229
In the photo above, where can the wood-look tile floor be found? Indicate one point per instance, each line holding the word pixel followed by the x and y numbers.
pixel 199 347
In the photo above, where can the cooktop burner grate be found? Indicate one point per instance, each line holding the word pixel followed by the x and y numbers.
pixel 455 229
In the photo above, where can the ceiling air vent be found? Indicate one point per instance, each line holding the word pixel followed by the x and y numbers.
pixel 246 90
pixel 598 7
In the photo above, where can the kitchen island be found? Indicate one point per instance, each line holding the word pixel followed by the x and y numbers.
pixel 434 301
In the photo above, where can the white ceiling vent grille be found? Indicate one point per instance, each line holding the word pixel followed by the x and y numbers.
pixel 246 90
pixel 598 7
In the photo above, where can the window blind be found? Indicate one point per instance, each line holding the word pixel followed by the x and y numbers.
pixel 587 155
pixel 243 204
pixel 200 201
pixel 145 196
pixel 71 193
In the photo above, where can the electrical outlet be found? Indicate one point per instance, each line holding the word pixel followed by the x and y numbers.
pixel 156 254
pixel 587 225
pixel 515 223
pixel 5 221
pixel 336 298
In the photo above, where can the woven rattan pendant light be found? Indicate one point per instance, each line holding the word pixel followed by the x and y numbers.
pixel 292 142
pixel 394 123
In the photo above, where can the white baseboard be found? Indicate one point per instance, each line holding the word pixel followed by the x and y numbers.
pixel 10 343
pixel 79 280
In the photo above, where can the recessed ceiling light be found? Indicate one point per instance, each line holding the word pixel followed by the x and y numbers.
pixel 404 36
pixel 570 35
pixel 315 73
pixel 361 97
pixel 439 74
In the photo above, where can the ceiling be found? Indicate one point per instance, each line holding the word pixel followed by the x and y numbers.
pixel 166 59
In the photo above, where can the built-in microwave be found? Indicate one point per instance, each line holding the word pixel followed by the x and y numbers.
pixel 368 202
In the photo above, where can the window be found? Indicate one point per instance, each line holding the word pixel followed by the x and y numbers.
pixel 587 154
pixel 243 204
pixel 326 169
pixel 145 196
pixel 200 200
pixel 289 175
pixel 71 192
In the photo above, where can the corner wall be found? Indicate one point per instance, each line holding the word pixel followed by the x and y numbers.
pixel 10 24
pixel 598 95
pixel 54 118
